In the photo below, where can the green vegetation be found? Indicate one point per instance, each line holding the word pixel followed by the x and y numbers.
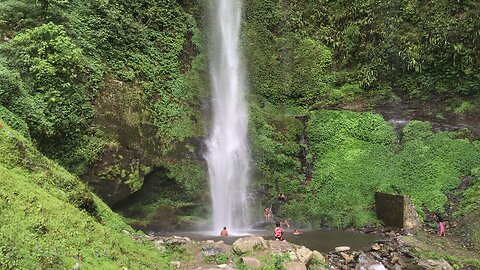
pixel 114 91
pixel 221 258
pixel 49 217
pixel 369 49
pixel 359 152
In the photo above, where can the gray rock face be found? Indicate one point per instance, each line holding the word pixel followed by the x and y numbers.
pixel 244 245
pixel 435 264
pixel 295 266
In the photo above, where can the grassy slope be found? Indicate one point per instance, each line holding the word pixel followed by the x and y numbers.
pixel 42 225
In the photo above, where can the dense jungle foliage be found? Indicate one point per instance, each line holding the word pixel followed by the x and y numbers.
pixel 116 91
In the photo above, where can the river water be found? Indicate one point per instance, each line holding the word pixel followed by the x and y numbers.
pixel 321 240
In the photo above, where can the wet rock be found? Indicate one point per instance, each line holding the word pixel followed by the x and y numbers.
pixel 394 259
pixel 208 251
pixel 244 245
pixel 376 247
pixel 342 248
pixel 177 240
pixel 304 254
pixel 346 257
pixel 251 262
pixel 295 266
pixel 367 262
pixel 435 264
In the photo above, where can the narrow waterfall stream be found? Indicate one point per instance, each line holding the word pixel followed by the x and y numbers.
pixel 228 153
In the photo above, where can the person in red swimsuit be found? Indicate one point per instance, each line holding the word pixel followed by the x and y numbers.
pixel 278 232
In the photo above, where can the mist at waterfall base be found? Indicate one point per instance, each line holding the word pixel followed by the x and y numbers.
pixel 227 146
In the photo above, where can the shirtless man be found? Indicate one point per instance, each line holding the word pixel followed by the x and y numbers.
pixel 267 215
pixel 224 232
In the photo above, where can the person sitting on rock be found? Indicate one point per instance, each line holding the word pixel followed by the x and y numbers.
pixel 278 232
pixel 224 232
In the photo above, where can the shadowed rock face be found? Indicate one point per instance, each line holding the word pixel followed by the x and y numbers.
pixel 134 149
pixel 122 115
pixel 396 210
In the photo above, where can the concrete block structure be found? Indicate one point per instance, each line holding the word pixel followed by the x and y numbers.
pixel 396 210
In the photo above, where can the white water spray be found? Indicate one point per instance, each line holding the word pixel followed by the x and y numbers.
pixel 228 152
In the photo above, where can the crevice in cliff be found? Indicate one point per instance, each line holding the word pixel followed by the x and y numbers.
pixel 304 156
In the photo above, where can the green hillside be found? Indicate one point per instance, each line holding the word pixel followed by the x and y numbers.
pixel 49 217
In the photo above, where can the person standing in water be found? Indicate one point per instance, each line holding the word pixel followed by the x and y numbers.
pixel 267 215
pixel 224 232
pixel 278 232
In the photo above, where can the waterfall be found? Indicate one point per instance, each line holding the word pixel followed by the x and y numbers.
pixel 227 146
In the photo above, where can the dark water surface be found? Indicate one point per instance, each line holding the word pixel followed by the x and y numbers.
pixel 321 240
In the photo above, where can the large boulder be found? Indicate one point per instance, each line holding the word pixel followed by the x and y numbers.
pixel 304 254
pixel 318 256
pixel 247 244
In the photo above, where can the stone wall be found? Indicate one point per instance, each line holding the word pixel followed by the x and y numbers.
pixel 410 216
pixel 396 210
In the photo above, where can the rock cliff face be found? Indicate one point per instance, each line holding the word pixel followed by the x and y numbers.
pixel 123 117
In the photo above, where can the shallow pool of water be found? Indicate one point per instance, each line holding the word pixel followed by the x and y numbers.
pixel 321 240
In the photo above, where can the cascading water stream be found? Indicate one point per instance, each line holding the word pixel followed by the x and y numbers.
pixel 228 153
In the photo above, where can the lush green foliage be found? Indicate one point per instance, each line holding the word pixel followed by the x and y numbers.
pixel 359 153
pixel 416 47
pixel 49 216
pixel 63 54
pixel 119 84
pixel 273 136
pixel 55 91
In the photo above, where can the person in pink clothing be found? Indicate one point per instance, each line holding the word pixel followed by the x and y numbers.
pixel 441 230
pixel 278 232
pixel 440 225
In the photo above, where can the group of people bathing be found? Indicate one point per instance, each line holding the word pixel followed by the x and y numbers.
pixel 278 231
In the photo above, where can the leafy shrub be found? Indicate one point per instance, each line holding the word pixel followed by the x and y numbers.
pixel 14 121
